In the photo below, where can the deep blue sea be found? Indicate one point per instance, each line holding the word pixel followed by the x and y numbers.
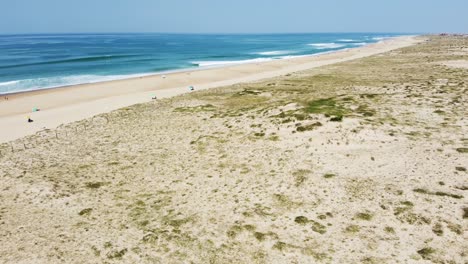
pixel 31 62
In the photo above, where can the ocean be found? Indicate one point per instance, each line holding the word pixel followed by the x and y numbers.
pixel 32 62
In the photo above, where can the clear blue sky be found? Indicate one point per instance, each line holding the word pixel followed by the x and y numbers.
pixel 233 16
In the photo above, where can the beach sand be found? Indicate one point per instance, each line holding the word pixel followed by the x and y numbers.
pixel 69 104
pixel 362 161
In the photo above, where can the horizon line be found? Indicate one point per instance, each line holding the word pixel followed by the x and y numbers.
pixel 217 33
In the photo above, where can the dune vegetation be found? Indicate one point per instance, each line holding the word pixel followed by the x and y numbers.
pixel 358 162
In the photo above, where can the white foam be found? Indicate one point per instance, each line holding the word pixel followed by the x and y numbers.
pixel 360 44
pixel 8 83
pixel 346 40
pixel 274 52
pixel 59 81
pixel 221 63
pixel 326 45
pixel 295 56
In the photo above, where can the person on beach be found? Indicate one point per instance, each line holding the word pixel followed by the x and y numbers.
pixel 29 119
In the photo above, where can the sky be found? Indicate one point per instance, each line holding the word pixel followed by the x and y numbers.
pixel 233 16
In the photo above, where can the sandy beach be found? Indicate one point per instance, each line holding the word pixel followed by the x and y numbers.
pixel 65 105
pixel 359 156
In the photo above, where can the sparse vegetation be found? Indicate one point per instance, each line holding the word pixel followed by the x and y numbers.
pixel 86 211
pixel 426 252
pixel 308 127
pixel 352 229
pixel 389 230
pixel 364 216
pixel 438 193
pixel 300 176
pixel 218 176
pixel 462 150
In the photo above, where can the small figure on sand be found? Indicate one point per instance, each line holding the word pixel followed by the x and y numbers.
pixel 191 88
pixel 29 119
pixel 36 109
pixel 154 97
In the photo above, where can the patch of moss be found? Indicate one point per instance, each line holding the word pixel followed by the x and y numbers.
pixel 456 196
pixel 150 238
pixel 389 230
pixel 259 236
pixel 462 150
pixel 96 251
pixel 460 168
pixel 116 254
pixel 285 201
pixel 249 227
pixel 337 118
pixel 420 190
pixel 426 252
pixel 364 216
pixel 274 138
pixel 280 246
pixel 318 227
pixel 328 107
pixel 438 229
pixel 457 229
pixel 352 229
pixel 301 220
pixel 94 185
pixel 424 191
pixel 107 244
pixel 329 175
pixel 407 203
pixel 233 231
pixel 308 127
pixel 300 176
pixel 86 211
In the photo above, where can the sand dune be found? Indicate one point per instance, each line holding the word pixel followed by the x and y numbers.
pixel 363 161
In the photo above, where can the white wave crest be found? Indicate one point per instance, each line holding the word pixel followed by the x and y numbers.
pixel 221 63
pixel 346 40
pixel 8 83
pixel 59 81
pixel 326 45
pixel 274 52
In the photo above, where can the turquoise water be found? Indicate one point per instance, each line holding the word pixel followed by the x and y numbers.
pixel 31 62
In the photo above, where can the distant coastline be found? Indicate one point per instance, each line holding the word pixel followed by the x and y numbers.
pixel 69 60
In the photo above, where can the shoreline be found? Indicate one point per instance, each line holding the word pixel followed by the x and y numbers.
pixel 66 104
pixel 199 68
